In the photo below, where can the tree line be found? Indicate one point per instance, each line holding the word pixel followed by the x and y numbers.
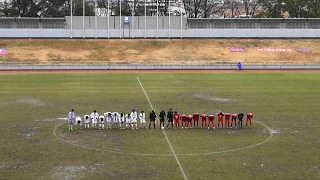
pixel 188 8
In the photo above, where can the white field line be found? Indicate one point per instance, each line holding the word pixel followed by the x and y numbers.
pixel 271 132
pixel 237 149
pixel 82 146
pixel 164 133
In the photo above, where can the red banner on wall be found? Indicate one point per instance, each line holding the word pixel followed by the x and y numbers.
pixel 3 51
pixel 237 50
pixel 303 50
pixel 274 49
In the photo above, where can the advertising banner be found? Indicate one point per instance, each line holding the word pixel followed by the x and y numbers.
pixel 274 49
pixel 237 50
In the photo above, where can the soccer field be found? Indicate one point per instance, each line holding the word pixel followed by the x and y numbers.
pixel 282 144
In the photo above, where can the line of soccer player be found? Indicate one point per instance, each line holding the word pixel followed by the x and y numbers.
pixel 111 120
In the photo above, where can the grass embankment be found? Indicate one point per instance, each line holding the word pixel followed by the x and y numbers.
pixel 172 51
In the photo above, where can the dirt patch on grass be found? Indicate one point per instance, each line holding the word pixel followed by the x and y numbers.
pixel 163 51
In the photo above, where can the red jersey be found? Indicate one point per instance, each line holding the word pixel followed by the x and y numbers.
pixel 234 117
pixel 220 116
pixel 184 117
pixel 190 118
pixel 203 117
pixel 227 116
pixel 176 116
pixel 211 117
pixel 249 116
pixel 196 116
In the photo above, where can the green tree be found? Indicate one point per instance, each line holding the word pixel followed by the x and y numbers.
pixel 7 10
pixel 39 8
pixel 78 10
pixel 271 8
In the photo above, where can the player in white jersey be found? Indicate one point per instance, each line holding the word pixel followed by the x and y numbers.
pixel 78 121
pixel 121 121
pixel 142 117
pixel 133 116
pixel 101 122
pixel 108 119
pixel 115 119
pixel 94 119
pixel 86 121
pixel 71 117
pixel 128 120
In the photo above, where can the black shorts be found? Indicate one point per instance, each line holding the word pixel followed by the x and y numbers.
pixel 170 120
pixel 152 120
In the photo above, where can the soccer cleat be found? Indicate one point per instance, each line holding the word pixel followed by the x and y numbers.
pixel 214 128
pixel 208 127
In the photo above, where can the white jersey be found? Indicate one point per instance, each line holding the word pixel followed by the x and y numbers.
pixel 115 117
pixel 78 120
pixel 142 117
pixel 86 118
pixel 128 119
pixel 121 118
pixel 133 116
pixel 71 115
pixel 94 117
pixel 108 116
pixel 101 119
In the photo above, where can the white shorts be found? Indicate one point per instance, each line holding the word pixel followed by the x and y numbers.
pixel 70 121
pixel 142 121
pixel 133 120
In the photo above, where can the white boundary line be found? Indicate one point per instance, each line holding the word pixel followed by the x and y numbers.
pixel 168 155
pixel 82 146
pixel 238 149
pixel 165 135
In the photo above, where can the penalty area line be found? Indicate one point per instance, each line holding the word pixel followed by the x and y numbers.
pixel 164 133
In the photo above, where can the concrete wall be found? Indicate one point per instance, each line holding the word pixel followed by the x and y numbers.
pixel 160 33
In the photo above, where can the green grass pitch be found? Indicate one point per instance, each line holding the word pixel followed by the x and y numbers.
pixel 283 143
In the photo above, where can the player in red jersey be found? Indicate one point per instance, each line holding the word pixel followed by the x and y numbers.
pixel 189 121
pixel 227 120
pixel 196 117
pixel 177 118
pixel 204 120
pixel 249 118
pixel 211 120
pixel 184 120
pixel 220 119
pixel 234 120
